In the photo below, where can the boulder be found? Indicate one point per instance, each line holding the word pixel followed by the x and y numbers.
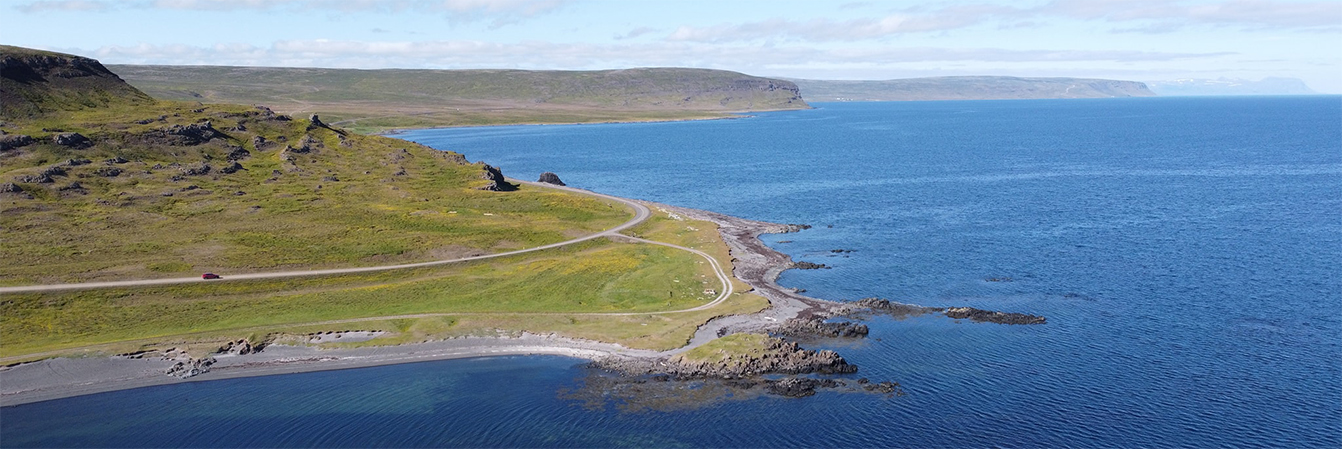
pixel 498 182
pixel 239 153
pixel 12 141
pixel 108 172
pixel 10 187
pixel 550 178
pixel 72 140
pixel 231 168
pixel 197 169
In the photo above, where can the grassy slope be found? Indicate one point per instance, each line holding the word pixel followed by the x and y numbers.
pixel 339 205
pixel 555 291
pixel 374 100
pixel 353 200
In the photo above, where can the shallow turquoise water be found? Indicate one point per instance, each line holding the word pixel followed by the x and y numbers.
pixel 1187 252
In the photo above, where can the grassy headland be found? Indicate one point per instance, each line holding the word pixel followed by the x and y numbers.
pixel 101 182
pixel 377 100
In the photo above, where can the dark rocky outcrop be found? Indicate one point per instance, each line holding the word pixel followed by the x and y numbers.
pixel 550 178
pixel 231 168
pixel 197 169
pixel 780 357
pixel 815 326
pixel 190 367
pixel 239 153
pixel 988 316
pixel 116 160
pixel 34 179
pixel 72 140
pixel 891 308
pixel 497 182
pixel 10 187
pixel 12 141
pixel 108 172
pixel 240 347
pixel 315 122
pixel 36 82
pixel 798 387
pixel 804 265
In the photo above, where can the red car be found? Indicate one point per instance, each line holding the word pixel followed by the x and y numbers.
pixel 209 276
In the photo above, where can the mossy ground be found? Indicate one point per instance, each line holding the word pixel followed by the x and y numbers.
pixel 370 201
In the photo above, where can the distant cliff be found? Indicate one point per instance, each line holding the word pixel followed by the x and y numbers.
pixel 969 88
pixel 36 82
pixel 411 98
pixel 1232 86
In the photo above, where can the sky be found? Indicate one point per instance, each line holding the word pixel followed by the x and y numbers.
pixel 1140 40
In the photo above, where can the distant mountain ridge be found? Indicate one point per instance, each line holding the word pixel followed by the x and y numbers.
pixel 969 88
pixel 1232 86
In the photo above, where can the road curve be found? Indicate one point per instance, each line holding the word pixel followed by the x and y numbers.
pixel 641 213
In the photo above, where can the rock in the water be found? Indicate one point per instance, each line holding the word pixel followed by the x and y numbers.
pixel 73 140
pixel 803 265
pixel 980 315
pixel 550 178
pixel 895 309
pixel 817 327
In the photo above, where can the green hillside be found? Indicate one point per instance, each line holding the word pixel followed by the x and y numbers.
pixel 370 100
pixel 99 182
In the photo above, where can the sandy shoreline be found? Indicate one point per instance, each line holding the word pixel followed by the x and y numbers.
pixel 754 263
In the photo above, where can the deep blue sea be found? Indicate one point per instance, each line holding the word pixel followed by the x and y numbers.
pixel 1186 251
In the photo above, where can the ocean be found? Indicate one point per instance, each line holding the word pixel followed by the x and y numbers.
pixel 1187 253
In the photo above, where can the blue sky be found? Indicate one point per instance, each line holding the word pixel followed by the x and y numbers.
pixel 1143 40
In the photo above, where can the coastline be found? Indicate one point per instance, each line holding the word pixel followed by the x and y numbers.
pixel 753 263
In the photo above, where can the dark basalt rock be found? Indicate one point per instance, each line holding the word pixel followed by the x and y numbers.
pixel 10 187
pixel 190 367
pixel 108 172
pixel 895 309
pixel 550 178
pixel 231 168
pixel 810 266
pixel 72 186
pixel 197 169
pixel 239 153
pixel 980 315
pixel 240 347
pixel 72 140
pixel 790 228
pixel 798 387
pixel 54 170
pixel 316 122
pixel 815 326
pixel 35 179
pixel 77 162
pixel 782 357
pixel 498 182
pixel 12 141
pixel 116 160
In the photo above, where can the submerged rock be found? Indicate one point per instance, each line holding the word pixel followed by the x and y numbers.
pixel 980 315
pixel 804 265
pixel 816 326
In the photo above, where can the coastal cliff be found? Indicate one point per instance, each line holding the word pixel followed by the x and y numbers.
pixel 970 88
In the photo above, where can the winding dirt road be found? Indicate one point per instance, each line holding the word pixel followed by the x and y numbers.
pixel 641 214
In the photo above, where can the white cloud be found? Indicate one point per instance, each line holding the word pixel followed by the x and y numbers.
pixel 65 5
pixel 546 55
